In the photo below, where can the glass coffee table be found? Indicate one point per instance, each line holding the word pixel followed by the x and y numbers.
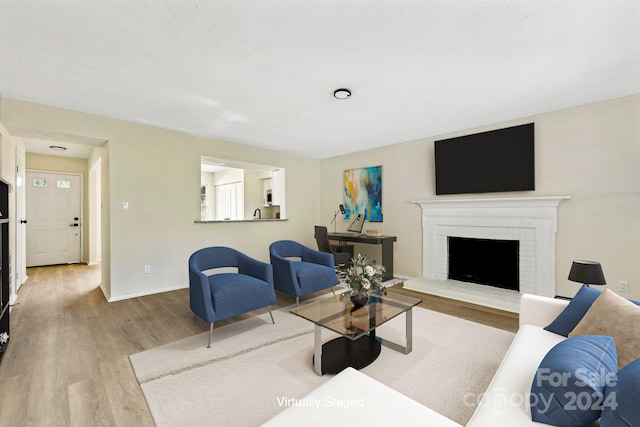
pixel 357 345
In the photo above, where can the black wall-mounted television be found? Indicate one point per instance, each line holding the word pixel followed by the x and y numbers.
pixel 494 161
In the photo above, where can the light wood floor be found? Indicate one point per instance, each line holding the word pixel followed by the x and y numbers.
pixel 67 362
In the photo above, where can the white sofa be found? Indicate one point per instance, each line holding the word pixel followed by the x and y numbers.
pixel 505 403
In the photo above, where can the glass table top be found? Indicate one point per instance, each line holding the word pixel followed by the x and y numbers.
pixel 338 313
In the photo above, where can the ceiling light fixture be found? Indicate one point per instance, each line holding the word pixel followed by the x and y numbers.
pixel 342 93
pixel 58 147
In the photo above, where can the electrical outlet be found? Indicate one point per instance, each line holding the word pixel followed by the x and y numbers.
pixel 623 286
pixel 125 205
pixel 147 269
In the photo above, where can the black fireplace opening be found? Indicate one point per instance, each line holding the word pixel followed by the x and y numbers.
pixel 490 262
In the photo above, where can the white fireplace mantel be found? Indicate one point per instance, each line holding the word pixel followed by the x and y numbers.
pixel 530 220
pixel 497 202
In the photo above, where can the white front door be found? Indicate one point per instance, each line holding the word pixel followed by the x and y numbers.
pixel 53 218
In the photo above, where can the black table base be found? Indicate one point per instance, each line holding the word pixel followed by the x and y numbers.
pixel 342 352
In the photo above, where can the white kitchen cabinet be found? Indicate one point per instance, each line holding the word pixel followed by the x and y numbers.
pixel 267 192
pixel 277 188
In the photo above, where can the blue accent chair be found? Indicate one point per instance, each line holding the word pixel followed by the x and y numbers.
pixel 218 296
pixel 309 270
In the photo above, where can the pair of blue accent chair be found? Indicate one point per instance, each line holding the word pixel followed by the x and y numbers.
pixel 299 270
pixel 218 296
pixel 215 296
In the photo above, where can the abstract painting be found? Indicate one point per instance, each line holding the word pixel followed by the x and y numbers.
pixel 363 193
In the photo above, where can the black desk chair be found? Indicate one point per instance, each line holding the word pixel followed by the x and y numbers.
pixel 341 254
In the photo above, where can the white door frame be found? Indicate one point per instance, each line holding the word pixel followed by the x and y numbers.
pixel 82 223
pixel 95 213
pixel 20 215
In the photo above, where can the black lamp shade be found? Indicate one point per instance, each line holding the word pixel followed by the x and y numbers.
pixel 587 272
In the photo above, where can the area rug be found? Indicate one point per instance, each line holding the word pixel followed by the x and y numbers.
pixel 254 366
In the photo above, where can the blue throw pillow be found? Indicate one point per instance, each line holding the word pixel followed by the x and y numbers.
pixel 574 311
pixel 568 389
pixel 569 318
pixel 622 407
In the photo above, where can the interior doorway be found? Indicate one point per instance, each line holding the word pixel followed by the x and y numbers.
pixel 64 154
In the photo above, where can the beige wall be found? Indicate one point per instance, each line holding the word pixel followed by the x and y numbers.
pixel 43 162
pixel 158 173
pixel 590 153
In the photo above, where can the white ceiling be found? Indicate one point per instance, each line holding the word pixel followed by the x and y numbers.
pixel 262 73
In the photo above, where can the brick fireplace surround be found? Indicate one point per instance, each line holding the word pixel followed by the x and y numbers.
pixel 532 221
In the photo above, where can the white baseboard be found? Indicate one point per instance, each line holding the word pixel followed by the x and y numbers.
pixel 146 293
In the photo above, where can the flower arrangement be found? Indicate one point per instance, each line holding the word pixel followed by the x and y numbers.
pixel 4 339
pixel 363 276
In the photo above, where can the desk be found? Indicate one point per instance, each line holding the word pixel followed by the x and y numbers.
pixel 385 241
